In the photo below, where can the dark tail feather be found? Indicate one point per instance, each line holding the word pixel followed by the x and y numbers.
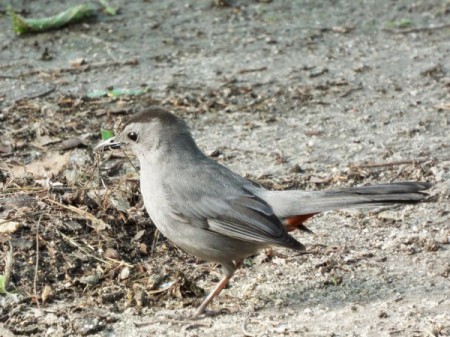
pixel 288 204
pixel 395 193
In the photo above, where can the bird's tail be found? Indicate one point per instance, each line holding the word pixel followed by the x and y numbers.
pixel 294 206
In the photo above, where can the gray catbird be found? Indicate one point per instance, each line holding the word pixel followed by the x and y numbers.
pixel 217 215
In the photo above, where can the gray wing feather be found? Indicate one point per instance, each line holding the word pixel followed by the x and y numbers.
pixel 251 219
pixel 227 207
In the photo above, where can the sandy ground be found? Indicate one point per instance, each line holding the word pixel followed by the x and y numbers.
pixel 292 94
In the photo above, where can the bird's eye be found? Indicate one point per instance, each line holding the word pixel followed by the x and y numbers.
pixel 133 136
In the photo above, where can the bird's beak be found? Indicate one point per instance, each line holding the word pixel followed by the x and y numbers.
pixel 108 144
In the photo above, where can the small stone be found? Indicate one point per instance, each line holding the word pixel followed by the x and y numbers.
pixel 111 253
pixel 382 314
pixel 47 293
pixel 143 249
pixel 124 273
pixel 90 279
pixel 215 153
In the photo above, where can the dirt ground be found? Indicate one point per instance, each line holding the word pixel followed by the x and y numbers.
pixel 292 94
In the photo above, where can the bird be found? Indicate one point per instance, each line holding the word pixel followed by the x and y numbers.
pixel 217 215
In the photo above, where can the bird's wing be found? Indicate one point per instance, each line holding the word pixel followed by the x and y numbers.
pixel 249 218
pixel 228 208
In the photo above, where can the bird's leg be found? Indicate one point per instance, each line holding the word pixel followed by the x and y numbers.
pixel 223 282
pixel 213 294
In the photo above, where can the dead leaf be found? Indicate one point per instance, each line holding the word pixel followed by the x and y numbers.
pixel 48 166
pixel 47 293
pixel 9 227
pixel 46 140
pixel 119 201
pixel 5 148
pixel 78 62
pixel 71 143
pixel 342 29
pixel 391 215
pixel 443 106
pixel 138 235
pixel 318 180
pixel 111 253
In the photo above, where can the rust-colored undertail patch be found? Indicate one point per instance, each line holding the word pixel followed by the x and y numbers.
pixel 296 222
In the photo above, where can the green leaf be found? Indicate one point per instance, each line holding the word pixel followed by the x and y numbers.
pixel 107 8
pixel 125 92
pixel 404 23
pixel 23 25
pixel 106 134
pixel 97 93
pixel 248 262
pixel 2 285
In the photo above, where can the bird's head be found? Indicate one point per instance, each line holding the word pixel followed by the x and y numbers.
pixel 150 131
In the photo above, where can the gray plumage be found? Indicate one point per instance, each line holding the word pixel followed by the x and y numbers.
pixel 215 214
pixel 291 203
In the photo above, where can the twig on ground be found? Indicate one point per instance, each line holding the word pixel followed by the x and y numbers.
pixel 392 163
pixel 154 243
pixel 417 29
pixel 351 90
pixel 15 65
pixel 79 69
pixel 162 290
pixel 75 244
pixel 97 224
pixel 9 77
pixel 244 327
pixel 8 266
pixel 173 321
pixel 252 70
pixel 40 95
pixel 36 268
